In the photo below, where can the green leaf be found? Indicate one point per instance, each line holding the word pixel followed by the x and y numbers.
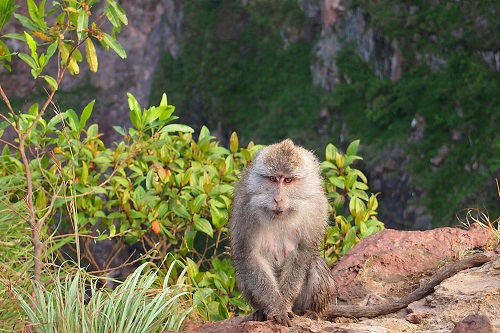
pixel 33 10
pixel 91 55
pixel 139 194
pixel 51 50
pixel 82 23
pixel 112 230
pixel 26 22
pixel 337 182
pixel 51 81
pixel 112 43
pixel 373 202
pixel 192 267
pixel 164 101
pixel 33 110
pixel 358 194
pixel 198 202
pixel 177 128
pixel 119 11
pixel 204 132
pixel 135 111
pixel 233 143
pixel 87 111
pixel 73 120
pixel 362 229
pixel 361 175
pixel 351 158
pixel 189 236
pixel 5 52
pixel 116 215
pixel 220 189
pixel 29 60
pixel 331 151
pixel 204 226
pixel 85 173
pixel 353 148
pixel 136 214
pixel 153 113
pixel 32 45
pixel 167 113
pixel 120 130
pixel 112 16
pixel 181 211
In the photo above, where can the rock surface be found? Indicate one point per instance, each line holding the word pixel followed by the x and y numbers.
pixel 393 263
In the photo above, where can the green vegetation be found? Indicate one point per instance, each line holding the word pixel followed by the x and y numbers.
pixel 234 70
pixel 159 189
pixel 77 304
pixel 453 90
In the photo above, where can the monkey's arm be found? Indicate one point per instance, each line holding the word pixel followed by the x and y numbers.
pixel 377 310
pixel 260 287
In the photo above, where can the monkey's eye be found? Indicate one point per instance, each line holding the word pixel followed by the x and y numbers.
pixel 288 180
pixel 273 179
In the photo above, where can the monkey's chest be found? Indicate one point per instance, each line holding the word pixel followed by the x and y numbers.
pixel 277 248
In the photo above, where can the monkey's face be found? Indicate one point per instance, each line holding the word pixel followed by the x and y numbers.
pixel 281 180
pixel 278 187
pixel 275 196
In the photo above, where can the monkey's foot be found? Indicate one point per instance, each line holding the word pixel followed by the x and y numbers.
pixel 283 319
pixel 257 315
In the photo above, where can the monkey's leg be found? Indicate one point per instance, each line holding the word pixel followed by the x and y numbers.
pixel 260 287
pixel 293 276
pixel 319 291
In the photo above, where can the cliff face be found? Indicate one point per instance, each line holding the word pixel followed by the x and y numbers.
pixel 393 42
pixel 321 71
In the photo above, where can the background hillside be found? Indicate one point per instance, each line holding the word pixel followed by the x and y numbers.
pixel 418 82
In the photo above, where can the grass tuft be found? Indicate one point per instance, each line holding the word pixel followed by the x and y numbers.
pixel 141 303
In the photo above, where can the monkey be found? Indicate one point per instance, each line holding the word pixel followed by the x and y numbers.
pixel 279 216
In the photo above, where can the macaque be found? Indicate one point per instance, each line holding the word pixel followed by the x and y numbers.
pixel 279 217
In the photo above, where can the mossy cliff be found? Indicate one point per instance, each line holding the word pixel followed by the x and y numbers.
pixel 418 83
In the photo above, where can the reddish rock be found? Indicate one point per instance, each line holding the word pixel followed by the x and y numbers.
pixel 474 324
pixel 389 262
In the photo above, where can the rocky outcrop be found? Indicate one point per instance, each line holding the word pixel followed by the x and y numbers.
pixel 387 265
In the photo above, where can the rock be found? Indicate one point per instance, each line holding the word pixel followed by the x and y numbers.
pixel 474 324
pixel 440 157
pixel 391 262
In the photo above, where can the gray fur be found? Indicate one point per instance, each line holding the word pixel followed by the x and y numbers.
pixel 275 234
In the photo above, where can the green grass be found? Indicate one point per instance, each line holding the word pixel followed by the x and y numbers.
pixel 76 303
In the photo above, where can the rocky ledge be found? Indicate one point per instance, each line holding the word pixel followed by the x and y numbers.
pixel 390 264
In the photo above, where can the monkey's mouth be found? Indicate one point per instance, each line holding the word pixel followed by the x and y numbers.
pixel 278 210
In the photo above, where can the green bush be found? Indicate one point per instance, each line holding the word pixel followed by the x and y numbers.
pixel 352 209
